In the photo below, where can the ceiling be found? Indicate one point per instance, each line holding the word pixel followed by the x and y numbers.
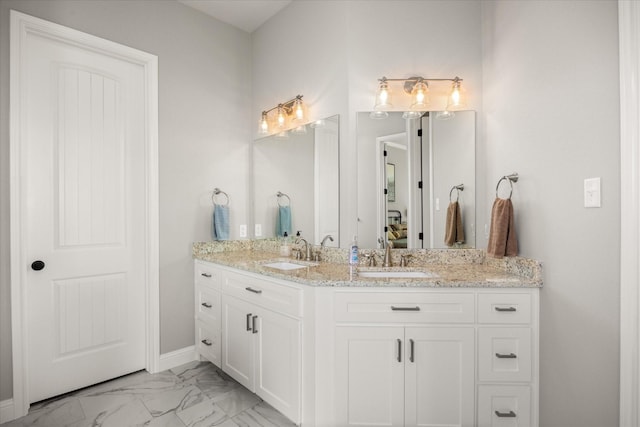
pixel 247 15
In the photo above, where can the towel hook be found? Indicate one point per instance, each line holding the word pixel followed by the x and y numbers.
pixel 280 195
pixel 217 191
pixel 511 179
pixel 459 188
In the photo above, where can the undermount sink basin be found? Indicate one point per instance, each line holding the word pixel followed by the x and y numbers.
pixel 286 265
pixel 382 274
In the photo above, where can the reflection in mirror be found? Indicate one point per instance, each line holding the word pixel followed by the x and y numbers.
pixel 433 160
pixel 303 165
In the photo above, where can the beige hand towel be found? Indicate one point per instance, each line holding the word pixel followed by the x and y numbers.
pixel 502 237
pixel 454 231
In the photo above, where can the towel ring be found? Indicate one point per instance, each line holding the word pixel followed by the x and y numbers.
pixel 216 192
pixel 511 178
pixel 280 195
pixel 459 188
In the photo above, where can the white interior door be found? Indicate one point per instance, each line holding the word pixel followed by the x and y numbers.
pixel 84 223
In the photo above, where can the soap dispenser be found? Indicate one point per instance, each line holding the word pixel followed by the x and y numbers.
pixel 285 246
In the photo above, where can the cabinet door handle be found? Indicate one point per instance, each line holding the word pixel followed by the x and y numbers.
pixel 505 309
pixel 509 414
pixel 255 291
pixel 206 342
pixel 253 320
pixel 399 350
pixel 207 275
pixel 206 304
pixel 405 308
pixel 506 356
pixel 411 347
pixel 248 321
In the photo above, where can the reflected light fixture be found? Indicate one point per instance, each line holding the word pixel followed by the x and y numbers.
pixel 292 113
pixel 418 88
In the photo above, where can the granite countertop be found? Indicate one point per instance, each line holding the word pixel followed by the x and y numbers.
pixel 478 274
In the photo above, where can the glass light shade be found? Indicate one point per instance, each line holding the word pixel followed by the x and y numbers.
pixel 457 99
pixel 300 130
pixel 298 111
pixel 263 128
pixel 420 96
pixel 281 117
pixel 378 115
pixel 445 115
pixel 411 114
pixel 383 96
pixel 318 124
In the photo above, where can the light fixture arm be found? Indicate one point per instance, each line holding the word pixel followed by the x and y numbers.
pixel 287 106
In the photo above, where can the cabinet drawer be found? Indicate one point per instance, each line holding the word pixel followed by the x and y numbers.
pixel 507 308
pixel 432 307
pixel 265 293
pixel 208 342
pixel 501 406
pixel 206 274
pixel 208 304
pixel 504 354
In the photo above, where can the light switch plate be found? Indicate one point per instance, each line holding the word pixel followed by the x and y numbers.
pixel 243 230
pixel 258 230
pixel 592 194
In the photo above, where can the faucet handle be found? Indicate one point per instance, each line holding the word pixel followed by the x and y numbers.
pixel 404 259
pixel 371 259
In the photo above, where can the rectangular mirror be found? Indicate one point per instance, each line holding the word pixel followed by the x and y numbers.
pixel 301 165
pixel 433 158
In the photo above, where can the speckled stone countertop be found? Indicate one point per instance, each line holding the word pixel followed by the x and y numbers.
pixel 456 268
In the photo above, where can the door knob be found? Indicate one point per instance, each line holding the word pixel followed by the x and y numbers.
pixel 37 265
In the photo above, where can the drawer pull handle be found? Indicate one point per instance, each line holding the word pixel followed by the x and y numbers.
pixel 405 308
pixel 206 305
pixel 206 342
pixel 505 309
pixel 506 356
pixel 509 414
pixel 411 347
pixel 207 275
pixel 255 331
pixel 399 350
pixel 249 322
pixel 255 291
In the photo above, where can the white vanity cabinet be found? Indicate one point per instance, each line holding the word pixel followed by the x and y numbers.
pixel 260 336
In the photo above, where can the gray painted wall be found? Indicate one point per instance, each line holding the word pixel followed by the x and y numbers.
pixel 551 113
pixel 205 102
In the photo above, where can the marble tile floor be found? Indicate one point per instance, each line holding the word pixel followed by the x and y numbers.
pixel 197 394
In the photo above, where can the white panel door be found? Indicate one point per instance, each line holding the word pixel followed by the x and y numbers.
pixel 239 325
pixel 369 376
pixel 278 364
pixel 83 146
pixel 439 387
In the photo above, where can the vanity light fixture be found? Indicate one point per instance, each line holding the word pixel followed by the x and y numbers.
pixel 292 113
pixel 418 88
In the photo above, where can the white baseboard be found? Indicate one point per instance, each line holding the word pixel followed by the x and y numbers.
pixel 6 411
pixel 176 358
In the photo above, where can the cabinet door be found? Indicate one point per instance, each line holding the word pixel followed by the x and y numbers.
pixel 278 349
pixel 439 381
pixel 238 337
pixel 369 379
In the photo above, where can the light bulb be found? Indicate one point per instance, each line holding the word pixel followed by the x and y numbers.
pixel 298 110
pixel 456 98
pixel 420 96
pixel 383 98
pixel 281 117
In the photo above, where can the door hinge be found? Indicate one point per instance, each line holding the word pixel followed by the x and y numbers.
pixel 386 229
pixel 385 191
pixel 419 184
pixel 385 153
pixel 419 132
pixel 420 236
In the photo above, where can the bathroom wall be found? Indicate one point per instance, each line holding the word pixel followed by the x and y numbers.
pixel 551 113
pixel 205 101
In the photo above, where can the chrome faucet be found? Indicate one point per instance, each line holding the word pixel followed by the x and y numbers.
pixel 324 240
pixel 387 262
pixel 307 248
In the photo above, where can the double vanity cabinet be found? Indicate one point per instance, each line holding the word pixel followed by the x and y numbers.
pixel 352 352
